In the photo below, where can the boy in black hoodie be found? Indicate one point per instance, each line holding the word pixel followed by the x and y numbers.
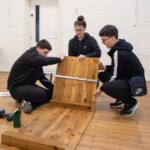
pixel 124 66
pixel 26 71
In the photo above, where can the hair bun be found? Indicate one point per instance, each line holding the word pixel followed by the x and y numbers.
pixel 80 18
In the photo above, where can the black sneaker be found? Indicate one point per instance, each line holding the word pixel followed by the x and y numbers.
pixel 129 110
pixel 117 104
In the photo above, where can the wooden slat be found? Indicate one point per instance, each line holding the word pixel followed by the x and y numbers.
pixel 31 142
pixel 87 68
pixel 76 106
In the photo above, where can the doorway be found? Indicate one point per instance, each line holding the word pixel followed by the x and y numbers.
pixel 43 21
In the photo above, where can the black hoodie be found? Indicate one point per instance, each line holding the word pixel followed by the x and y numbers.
pixel 88 46
pixel 125 64
pixel 28 69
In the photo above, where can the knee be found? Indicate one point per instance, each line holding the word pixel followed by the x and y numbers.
pixel 47 95
pixel 103 77
pixel 106 87
pixel 18 98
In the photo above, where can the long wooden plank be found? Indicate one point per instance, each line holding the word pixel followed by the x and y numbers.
pixel 31 143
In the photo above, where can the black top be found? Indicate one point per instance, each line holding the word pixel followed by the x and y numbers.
pixel 88 46
pixel 124 63
pixel 28 69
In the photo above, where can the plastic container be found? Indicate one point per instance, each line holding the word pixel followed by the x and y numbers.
pixel 17 118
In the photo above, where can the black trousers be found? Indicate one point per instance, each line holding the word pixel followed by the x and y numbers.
pixel 118 89
pixel 33 93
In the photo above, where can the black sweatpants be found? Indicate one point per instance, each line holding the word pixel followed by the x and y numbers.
pixel 33 93
pixel 118 89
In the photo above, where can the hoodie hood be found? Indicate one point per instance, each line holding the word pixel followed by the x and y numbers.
pixel 121 45
pixel 32 48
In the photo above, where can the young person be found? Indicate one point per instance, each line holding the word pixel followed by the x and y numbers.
pixel 26 71
pixel 82 44
pixel 124 65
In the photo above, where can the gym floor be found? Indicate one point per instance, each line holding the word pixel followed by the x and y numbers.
pixel 107 130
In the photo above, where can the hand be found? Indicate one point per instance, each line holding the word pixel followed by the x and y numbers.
pixel 81 57
pixel 97 92
pixel 61 56
pixel 101 66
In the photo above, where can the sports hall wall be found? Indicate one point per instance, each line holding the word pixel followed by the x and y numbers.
pixel 132 17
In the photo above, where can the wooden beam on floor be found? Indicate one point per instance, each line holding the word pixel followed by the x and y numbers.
pixel 76 106
pixel 30 142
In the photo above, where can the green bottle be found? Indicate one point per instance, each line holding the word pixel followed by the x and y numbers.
pixel 16 118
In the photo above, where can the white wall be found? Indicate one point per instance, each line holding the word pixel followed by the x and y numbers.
pixel 12 32
pixel 132 17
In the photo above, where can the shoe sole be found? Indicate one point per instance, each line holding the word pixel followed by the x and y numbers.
pixel 26 108
pixel 119 106
pixel 137 105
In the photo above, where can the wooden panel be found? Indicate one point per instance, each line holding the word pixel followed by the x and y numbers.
pixel 75 91
pixel 56 124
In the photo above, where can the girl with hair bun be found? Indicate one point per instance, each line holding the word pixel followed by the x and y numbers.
pixel 82 44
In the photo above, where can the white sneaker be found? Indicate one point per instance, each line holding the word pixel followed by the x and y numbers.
pixel 26 106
